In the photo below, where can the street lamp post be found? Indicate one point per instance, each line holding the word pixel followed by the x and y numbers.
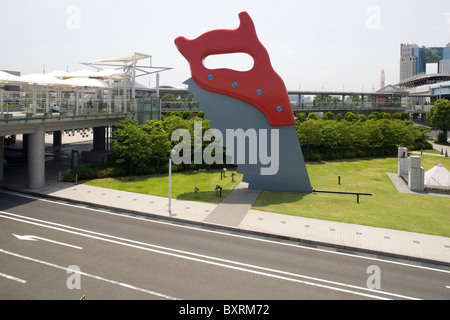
pixel 170 182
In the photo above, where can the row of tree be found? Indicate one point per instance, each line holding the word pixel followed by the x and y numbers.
pixel 144 149
pixel 351 117
pixel 350 136
pixel 328 140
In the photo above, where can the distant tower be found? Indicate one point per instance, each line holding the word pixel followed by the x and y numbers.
pixel 382 80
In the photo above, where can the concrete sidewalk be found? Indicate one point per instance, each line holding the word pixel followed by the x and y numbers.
pixel 235 214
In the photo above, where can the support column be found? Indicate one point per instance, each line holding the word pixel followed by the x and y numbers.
pixel 36 159
pixel 99 139
pixel 25 142
pixel 1 101
pixel 34 100
pixel 57 140
pixel 2 158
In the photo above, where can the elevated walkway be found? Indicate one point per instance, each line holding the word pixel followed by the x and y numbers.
pixel 35 129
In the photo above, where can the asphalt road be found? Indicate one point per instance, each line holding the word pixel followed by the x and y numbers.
pixel 51 250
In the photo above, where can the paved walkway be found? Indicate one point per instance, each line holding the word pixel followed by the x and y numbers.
pixel 234 208
pixel 235 214
pixel 441 148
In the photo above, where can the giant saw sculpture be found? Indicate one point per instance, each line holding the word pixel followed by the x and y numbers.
pixel 249 101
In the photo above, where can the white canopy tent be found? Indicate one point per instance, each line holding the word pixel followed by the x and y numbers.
pixel 117 71
pixel 59 80
pixel 7 77
pixel 129 65
pixel 103 74
pixel 437 177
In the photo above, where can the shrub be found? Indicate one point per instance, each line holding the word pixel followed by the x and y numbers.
pixel 201 114
pixel 442 137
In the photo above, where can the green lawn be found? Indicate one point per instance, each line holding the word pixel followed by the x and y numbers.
pixel 387 209
pixel 183 185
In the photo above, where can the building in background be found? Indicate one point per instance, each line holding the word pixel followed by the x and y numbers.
pixel 444 64
pixel 415 60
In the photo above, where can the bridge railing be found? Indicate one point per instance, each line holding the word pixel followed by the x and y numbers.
pixel 24 108
pixel 179 106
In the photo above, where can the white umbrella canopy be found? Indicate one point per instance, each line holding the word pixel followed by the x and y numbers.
pixel 111 73
pixel 42 79
pixel 102 74
pixel 87 82
pixel 60 74
pixel 7 77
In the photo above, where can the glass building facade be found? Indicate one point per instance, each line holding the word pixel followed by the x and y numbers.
pixel 414 60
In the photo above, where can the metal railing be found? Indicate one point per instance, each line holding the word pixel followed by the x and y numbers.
pixel 179 106
pixel 22 108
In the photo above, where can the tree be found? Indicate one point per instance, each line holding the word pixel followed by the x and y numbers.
pixel 201 114
pixel 309 135
pixel 404 116
pixel 159 144
pixel 396 115
pixel 313 116
pixel 328 116
pixel 131 145
pixel 168 98
pixel 374 116
pixel 301 116
pixel 330 138
pixel 362 118
pixel 351 117
pixel 439 118
pixel 186 114
pixel 385 115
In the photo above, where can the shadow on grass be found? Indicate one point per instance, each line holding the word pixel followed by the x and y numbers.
pixel 322 162
pixel 268 198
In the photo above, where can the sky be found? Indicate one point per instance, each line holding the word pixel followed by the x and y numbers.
pixel 313 45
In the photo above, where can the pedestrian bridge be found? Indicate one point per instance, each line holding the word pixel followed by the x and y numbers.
pixel 35 127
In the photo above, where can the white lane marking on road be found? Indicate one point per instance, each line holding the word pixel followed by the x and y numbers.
pixel 7 276
pixel 36 238
pixel 125 285
pixel 200 258
pixel 56 202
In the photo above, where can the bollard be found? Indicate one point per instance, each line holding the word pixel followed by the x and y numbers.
pixel 218 189
pixel 196 190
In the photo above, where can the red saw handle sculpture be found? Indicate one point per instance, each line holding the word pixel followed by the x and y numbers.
pixel 261 86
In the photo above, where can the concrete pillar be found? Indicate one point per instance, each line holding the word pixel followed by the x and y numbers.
pixel 403 161
pixel 2 158
pixel 36 159
pixel 57 140
pixel 416 175
pixel 99 139
pixel 25 142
